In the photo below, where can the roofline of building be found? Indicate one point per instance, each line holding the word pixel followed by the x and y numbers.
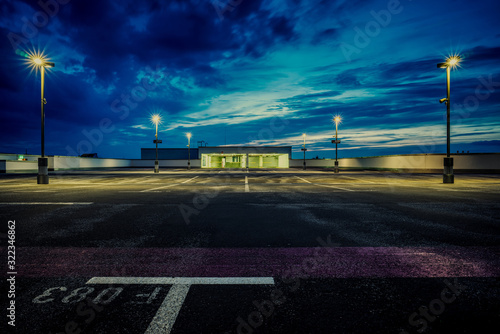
pixel 243 146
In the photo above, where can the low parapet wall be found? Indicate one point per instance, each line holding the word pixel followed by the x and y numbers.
pixel 411 162
pixel 15 166
pixel 66 163
pixel 195 163
pixel 479 162
pixel 57 163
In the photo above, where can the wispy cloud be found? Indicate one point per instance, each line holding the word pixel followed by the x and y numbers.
pixel 226 80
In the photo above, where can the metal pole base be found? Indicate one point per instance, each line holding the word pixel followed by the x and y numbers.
pixel 157 167
pixel 304 168
pixel 448 176
pixel 43 171
pixel 189 165
pixel 336 170
pixel 42 179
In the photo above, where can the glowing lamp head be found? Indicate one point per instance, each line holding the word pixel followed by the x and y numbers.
pixel 453 61
pixel 188 135
pixel 155 119
pixel 41 62
pixel 38 61
pixel 336 119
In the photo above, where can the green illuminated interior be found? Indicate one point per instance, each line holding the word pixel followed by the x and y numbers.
pixel 221 160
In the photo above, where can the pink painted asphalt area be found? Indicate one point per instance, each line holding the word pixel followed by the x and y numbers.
pixel 320 262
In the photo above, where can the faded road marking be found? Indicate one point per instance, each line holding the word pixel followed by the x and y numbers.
pixel 181 280
pixel 323 185
pixel 165 317
pixel 170 185
pixel 48 203
pixel 247 188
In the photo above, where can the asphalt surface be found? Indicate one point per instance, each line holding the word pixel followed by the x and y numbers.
pixel 264 251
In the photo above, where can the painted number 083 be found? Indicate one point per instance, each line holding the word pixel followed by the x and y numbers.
pixel 106 296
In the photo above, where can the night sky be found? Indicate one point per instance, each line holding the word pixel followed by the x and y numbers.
pixel 250 72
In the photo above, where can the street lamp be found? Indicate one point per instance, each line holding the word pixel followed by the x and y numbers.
pixel 39 61
pixel 451 62
pixel 189 147
pixel 304 149
pixel 337 120
pixel 156 119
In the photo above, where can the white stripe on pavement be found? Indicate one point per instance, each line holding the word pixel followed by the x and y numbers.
pixel 165 317
pixel 247 188
pixel 356 178
pixel 47 203
pixel 170 185
pixel 323 185
pixel 181 280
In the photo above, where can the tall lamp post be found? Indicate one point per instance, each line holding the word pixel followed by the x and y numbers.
pixel 43 165
pixel 304 149
pixel 189 149
pixel 156 119
pixel 337 120
pixel 451 62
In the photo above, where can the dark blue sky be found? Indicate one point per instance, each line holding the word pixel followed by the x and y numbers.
pixel 249 72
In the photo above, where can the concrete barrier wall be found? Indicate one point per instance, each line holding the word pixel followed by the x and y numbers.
pixel 62 163
pixel 13 166
pixel 417 162
pixel 429 162
pixel 195 163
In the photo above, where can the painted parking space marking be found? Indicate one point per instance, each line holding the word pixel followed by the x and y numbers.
pixel 247 188
pixel 323 185
pixel 47 203
pixel 357 178
pixel 181 280
pixel 170 185
pixel 165 317
pixel 37 191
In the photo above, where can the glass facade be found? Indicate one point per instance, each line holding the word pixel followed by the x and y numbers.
pixel 251 160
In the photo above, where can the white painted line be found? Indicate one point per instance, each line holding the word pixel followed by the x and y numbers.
pixel 302 179
pixel 323 185
pixel 47 203
pixel 170 185
pixel 165 317
pixel 247 188
pixel 449 189
pixel 328 186
pixel 181 280
pixel 356 178
pixel 428 186
pixel 145 179
pixel 124 180
pixel 137 191
pixel 35 191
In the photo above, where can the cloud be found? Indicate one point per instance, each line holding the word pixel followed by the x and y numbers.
pixel 262 60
